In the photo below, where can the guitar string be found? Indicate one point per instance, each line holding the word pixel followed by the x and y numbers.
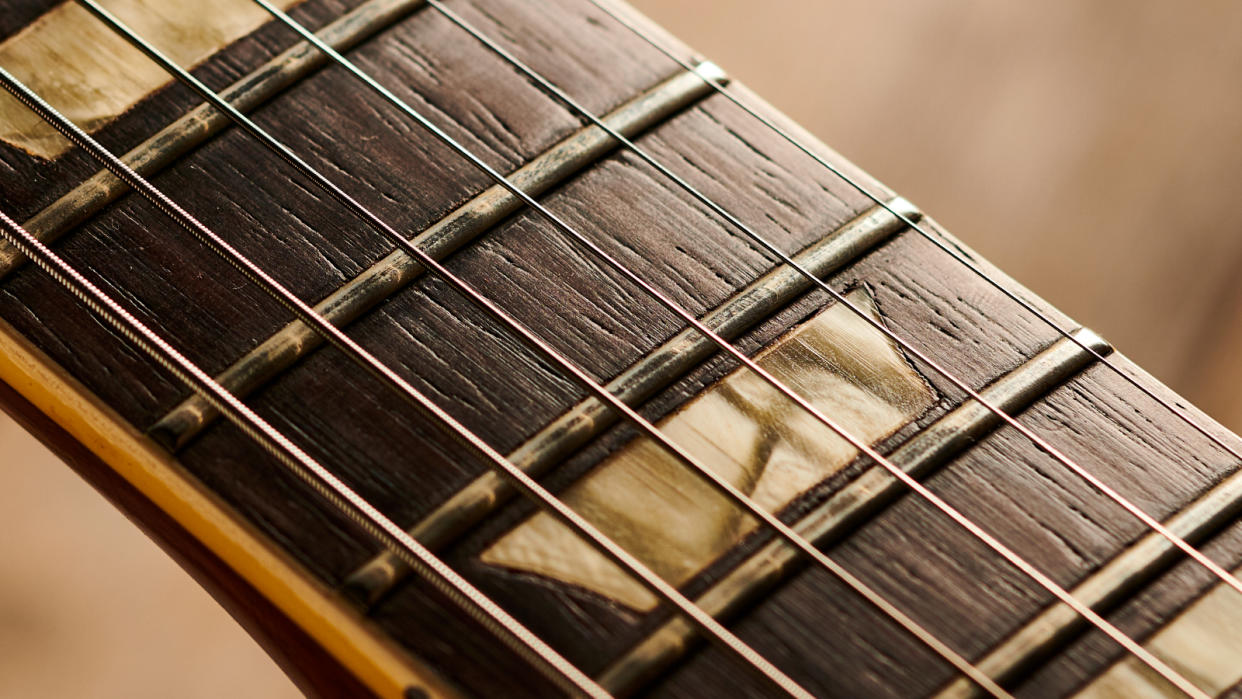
pixel 1126 642
pixel 293 458
pixel 713 629
pixel 759 240
pixel 960 257
pixel 531 339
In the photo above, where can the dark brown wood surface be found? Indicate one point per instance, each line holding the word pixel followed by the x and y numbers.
pixel 812 627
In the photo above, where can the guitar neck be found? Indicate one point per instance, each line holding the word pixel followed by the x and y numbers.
pixel 649 235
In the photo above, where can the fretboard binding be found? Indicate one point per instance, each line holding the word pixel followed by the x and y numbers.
pixel 862 498
pixel 204 121
pixel 466 223
pixel 657 370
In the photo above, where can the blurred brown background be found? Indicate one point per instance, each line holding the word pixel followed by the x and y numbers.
pixel 1091 148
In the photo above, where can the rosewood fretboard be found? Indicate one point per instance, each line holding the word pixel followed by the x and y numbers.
pixel 339 609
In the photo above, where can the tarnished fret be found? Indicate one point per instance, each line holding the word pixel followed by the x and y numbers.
pixel 204 121
pixel 1136 566
pixel 658 369
pixel 1204 641
pixel 861 498
pixel 458 228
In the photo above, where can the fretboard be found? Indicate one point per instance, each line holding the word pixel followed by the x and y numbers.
pixel 964 482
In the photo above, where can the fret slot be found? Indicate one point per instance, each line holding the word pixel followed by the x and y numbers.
pixel 469 221
pixel 204 121
pixel 657 370
pixel 856 502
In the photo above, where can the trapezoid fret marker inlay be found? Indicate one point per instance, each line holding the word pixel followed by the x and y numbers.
pixel 763 443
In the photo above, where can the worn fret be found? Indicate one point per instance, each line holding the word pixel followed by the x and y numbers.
pixel 466 223
pixel 657 370
pixel 1204 642
pixel 848 507
pixel 201 123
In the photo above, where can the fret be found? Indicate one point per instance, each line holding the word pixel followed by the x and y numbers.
pixel 920 456
pixel 198 125
pixel 659 368
pixel 466 223
pixel 1111 584
pixel 1203 642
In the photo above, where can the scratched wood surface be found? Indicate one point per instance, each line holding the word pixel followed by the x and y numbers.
pixel 486 380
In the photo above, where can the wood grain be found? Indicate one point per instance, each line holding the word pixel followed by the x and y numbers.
pixel 406 466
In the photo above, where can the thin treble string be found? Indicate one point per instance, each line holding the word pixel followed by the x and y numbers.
pixel 1044 581
pixel 1040 442
pixel 301 464
pixel 532 340
pixel 1185 417
pixel 520 479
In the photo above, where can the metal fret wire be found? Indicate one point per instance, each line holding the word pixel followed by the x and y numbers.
pixel 293 458
pixel 1225 576
pixel 531 339
pixel 1155 663
pixel 523 482
pixel 1041 443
